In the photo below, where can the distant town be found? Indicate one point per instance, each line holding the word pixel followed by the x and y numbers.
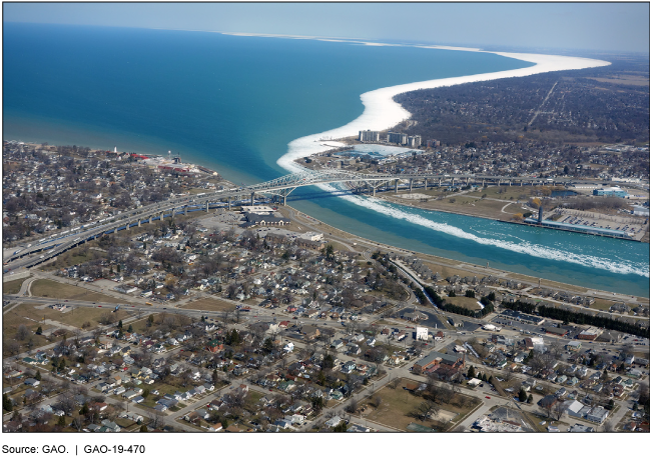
pixel 252 316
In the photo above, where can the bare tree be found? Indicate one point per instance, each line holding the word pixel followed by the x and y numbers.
pixel 426 410
pixel 22 333
pixel 558 410
pixel 67 402
pixel 352 406
pixel 78 423
pixel 11 347
pixel 158 420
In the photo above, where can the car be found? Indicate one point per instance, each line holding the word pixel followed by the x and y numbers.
pixel 295 317
pixel 480 385
pixel 487 397
pixel 98 306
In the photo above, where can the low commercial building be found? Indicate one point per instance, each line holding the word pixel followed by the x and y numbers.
pixel 558 331
pixel 597 414
pixel 509 314
pixel 436 358
pixel 253 219
pixel 578 428
pixel 589 334
pixel 574 346
pixel 610 192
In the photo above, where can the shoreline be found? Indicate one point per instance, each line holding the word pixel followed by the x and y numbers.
pixel 411 205
pixel 458 264
pixel 381 112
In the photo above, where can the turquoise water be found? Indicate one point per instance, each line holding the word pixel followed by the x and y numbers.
pixel 234 103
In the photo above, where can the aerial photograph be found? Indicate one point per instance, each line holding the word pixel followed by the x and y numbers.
pixel 323 217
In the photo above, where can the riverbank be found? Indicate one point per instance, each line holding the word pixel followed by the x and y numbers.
pixel 507 211
pixel 449 267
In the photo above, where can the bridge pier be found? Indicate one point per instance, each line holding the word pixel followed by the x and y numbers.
pixel 439 182
pixel 425 183
pixel 453 182
pixel 229 202
pixel 185 210
pixel 207 207
pixel 396 183
pixel 252 198
pixel 139 222
pixel 410 185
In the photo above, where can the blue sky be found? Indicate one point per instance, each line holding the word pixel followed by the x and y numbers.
pixel 590 26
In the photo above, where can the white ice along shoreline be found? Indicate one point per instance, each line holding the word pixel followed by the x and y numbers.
pixel 382 112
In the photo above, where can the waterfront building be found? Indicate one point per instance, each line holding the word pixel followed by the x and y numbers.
pixel 414 141
pixel 579 228
pixel 398 138
pixel 610 192
pixel 368 135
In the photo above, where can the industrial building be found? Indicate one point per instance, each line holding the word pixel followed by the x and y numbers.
pixel 641 211
pixel 579 228
pixel 610 192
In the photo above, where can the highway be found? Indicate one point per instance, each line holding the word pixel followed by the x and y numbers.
pixel 41 250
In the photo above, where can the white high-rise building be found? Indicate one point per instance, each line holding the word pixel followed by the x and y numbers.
pixel 368 135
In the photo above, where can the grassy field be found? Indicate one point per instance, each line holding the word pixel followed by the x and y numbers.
pixel 140 326
pixel 534 420
pixel 74 256
pixel 446 271
pixel 464 302
pixel 24 314
pixel 601 304
pixel 462 204
pixel 251 400
pixel 210 304
pixel 12 287
pixel 504 192
pixel 29 315
pixel 53 289
pixel 397 404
